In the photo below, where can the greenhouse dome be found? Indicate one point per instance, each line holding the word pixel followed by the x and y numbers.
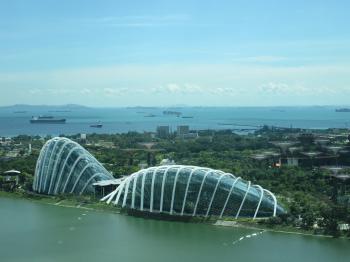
pixel 66 167
pixel 193 191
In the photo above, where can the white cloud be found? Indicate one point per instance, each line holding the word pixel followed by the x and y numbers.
pixel 174 88
pixel 275 88
pixel 297 89
pixel 34 91
pixel 115 91
pixel 86 91
pixel 224 91
pixel 60 91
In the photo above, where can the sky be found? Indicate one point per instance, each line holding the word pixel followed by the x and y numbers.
pixel 184 52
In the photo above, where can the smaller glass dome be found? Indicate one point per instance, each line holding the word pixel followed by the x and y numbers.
pixel 65 167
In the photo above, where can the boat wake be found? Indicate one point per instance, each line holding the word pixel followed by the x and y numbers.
pixel 247 236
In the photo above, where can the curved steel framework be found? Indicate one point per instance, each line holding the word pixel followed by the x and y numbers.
pixel 64 166
pixel 193 191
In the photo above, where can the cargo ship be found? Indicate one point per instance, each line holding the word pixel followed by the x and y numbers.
pixel 150 115
pixel 47 120
pixel 342 110
pixel 97 125
pixel 175 113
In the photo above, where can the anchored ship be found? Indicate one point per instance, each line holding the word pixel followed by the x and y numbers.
pixel 47 120
pixel 342 110
pixel 97 125
pixel 150 115
pixel 175 113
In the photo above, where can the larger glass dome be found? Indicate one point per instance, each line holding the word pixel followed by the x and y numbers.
pixel 193 191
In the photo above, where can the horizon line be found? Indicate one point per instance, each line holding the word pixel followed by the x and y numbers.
pixel 171 106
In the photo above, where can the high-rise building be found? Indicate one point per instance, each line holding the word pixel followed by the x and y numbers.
pixel 183 130
pixel 163 131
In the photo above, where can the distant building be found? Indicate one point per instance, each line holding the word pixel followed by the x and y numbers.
pixel 163 131
pixel 344 227
pixel 292 161
pixel 105 144
pixel 13 153
pixel 183 130
pixel 143 165
pixel 190 135
pixel 104 187
pixel 83 138
pixel 166 162
pixel 5 141
pixel 11 177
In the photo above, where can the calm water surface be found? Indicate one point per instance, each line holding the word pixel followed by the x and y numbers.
pixel 38 232
pixel 120 120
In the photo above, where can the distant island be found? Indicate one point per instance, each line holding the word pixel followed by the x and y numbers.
pixel 26 107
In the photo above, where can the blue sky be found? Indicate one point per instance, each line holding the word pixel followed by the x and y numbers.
pixel 124 53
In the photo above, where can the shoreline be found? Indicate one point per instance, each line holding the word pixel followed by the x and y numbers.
pixel 248 226
pixel 61 202
pixel 99 207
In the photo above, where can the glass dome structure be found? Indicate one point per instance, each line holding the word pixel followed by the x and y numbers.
pixel 193 191
pixel 65 167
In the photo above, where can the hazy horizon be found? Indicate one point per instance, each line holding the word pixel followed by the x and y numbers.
pixel 167 106
pixel 161 53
